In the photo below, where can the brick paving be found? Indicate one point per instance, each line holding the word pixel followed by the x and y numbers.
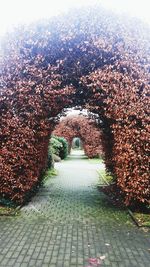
pixel 69 221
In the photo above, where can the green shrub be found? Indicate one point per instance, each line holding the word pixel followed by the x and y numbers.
pixel 55 145
pixel 58 146
pixel 63 153
pixel 50 160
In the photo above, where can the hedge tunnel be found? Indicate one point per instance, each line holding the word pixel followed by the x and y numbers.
pixel 88 58
pixel 84 128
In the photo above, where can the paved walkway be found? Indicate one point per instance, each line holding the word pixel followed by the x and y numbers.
pixel 68 222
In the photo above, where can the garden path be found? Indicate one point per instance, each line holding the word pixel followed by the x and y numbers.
pixel 70 221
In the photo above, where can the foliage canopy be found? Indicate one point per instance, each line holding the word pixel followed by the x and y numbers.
pixel 89 58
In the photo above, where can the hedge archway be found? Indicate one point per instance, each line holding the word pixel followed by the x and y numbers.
pixel 84 128
pixel 88 58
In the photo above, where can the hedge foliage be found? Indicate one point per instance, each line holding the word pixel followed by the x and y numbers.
pixel 50 159
pixel 84 128
pixel 59 146
pixel 89 58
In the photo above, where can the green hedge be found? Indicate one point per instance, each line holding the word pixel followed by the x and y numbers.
pixel 57 146
pixel 63 152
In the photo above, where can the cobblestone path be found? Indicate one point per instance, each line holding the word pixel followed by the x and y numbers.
pixel 69 221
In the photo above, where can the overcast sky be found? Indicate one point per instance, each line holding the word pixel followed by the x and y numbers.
pixel 14 12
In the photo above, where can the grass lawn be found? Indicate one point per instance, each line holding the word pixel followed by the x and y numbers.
pixel 5 211
pixel 96 160
pixel 49 173
pixel 142 219
pixel 104 177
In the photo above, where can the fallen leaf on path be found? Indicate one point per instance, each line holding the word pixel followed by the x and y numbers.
pixel 92 260
pixel 102 257
pixel 96 261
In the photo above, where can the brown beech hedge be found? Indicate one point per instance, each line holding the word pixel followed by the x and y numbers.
pixel 84 128
pixel 88 58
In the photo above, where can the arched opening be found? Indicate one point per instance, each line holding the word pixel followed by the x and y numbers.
pixel 81 132
pixel 77 143
pixel 91 63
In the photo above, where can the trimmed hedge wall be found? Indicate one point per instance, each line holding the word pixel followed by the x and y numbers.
pixel 88 58
pixel 83 127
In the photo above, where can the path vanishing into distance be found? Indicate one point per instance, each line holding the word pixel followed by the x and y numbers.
pixel 69 221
